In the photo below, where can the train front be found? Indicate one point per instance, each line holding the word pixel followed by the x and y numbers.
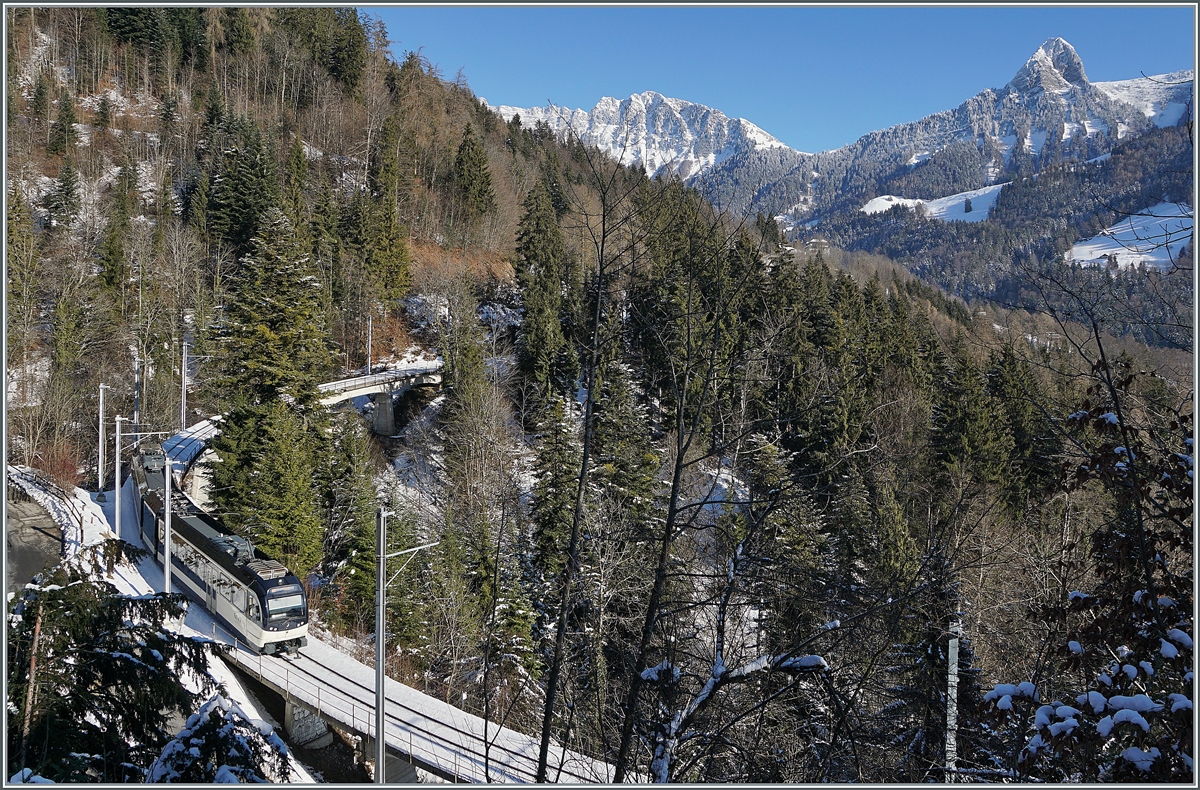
pixel 284 607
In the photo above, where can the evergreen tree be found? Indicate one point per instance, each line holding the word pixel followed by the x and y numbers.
pixel 93 675
pixel 197 206
pixel 239 36
pixel 103 117
pixel 1035 446
pixel 62 132
pixel 541 256
pixel 472 176
pixel 388 258
pixel 624 458
pixel 272 339
pixel 296 174
pixel 970 445
pixel 214 108
pixel 350 513
pixel 915 721
pixel 39 104
pixel 221 743
pixel 63 200
pixel 282 500
pixel 243 186
pixel 553 493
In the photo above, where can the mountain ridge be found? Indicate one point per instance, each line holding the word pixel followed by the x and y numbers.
pixel 742 168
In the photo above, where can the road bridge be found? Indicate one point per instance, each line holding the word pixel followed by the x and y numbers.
pixel 383 388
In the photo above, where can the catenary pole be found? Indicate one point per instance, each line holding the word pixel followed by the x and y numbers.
pixel 183 390
pixel 166 524
pixel 100 449
pixel 380 637
pixel 117 476
pixel 952 702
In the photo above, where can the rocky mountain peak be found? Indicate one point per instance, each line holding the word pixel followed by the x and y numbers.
pixel 1055 66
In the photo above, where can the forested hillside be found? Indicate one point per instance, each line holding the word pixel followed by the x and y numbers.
pixel 1036 219
pixel 706 507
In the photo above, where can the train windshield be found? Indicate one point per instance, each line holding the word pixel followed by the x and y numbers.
pixel 285 604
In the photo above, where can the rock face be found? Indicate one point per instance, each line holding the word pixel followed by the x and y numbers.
pixel 665 136
pixel 1049 102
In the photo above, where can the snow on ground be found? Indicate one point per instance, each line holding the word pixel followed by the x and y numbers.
pixel 946 209
pixel 1155 236
pixel 22 391
pixel 1161 98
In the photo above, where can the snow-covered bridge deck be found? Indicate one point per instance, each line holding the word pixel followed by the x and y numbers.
pixel 432 734
pixel 388 381
pixel 382 387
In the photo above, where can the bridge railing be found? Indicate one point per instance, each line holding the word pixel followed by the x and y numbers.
pixel 377 378
pixel 345 710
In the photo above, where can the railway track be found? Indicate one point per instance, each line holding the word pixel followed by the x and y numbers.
pixel 437 736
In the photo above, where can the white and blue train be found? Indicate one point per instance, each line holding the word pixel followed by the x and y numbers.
pixel 248 593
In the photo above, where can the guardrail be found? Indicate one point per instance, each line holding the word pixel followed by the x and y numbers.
pixel 44 482
pixel 341 707
pixel 376 378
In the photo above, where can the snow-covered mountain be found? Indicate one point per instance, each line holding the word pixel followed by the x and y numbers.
pixel 663 135
pixel 1049 101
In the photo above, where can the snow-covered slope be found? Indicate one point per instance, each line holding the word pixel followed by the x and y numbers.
pixel 663 135
pixel 1155 237
pixel 1163 98
pixel 951 207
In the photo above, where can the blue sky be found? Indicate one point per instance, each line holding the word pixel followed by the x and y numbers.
pixel 814 77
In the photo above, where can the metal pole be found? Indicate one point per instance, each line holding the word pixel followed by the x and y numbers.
pixel 137 390
pixel 380 638
pixel 167 525
pixel 183 390
pixel 369 338
pixel 952 703
pixel 100 450
pixel 117 477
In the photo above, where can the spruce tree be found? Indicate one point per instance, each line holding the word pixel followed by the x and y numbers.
pixel 472 176
pixel 221 743
pixel 103 113
pixel 272 340
pixel 243 187
pixel 554 492
pixel 271 346
pixel 295 176
pixel 541 256
pixel 349 510
pixel 62 132
pixel 969 443
pixel 286 521
pixel 39 104
pixel 93 675
pixel 63 200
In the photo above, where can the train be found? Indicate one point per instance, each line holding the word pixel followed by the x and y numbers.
pixel 253 596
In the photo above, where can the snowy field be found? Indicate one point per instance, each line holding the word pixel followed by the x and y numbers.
pixel 1155 237
pixel 946 209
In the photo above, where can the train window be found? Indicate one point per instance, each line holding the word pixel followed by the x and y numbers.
pixel 285 606
pixel 252 610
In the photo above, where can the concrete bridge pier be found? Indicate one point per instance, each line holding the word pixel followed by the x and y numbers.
pixel 399 769
pixel 384 421
pixel 304 727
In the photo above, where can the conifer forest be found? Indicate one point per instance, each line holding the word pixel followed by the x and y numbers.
pixel 708 504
